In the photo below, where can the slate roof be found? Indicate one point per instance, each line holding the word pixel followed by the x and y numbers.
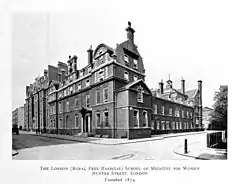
pixel 129 85
pixel 191 93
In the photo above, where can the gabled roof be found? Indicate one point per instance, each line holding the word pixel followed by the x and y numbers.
pixel 207 109
pixel 131 84
pixel 191 93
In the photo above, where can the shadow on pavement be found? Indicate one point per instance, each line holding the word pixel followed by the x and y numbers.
pixel 23 141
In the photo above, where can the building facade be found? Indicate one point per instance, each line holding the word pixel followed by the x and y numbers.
pixel 109 97
pixel 207 116
pixel 18 117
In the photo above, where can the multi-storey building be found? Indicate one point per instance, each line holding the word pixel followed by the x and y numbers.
pixel 109 97
pixel 207 116
pixel 36 106
pixel 18 117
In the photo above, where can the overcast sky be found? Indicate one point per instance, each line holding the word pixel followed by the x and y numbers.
pixel 185 39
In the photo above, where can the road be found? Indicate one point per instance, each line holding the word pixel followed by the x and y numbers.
pixel 32 147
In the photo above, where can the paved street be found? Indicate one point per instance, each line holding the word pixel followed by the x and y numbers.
pixel 31 147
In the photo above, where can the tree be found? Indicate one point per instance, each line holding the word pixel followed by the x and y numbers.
pixel 219 115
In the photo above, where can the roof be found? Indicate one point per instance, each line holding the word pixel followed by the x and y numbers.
pixel 207 109
pixel 131 84
pixel 191 93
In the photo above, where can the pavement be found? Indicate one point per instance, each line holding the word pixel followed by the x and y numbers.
pixel 110 141
pixel 201 152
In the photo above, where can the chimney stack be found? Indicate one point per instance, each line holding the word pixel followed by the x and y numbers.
pixel 74 63
pixel 70 69
pixel 90 55
pixel 161 87
pixel 63 75
pixel 130 33
pixel 45 74
pixel 200 91
pixel 183 85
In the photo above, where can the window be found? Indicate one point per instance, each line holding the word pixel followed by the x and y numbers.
pixel 59 95
pixel 158 125
pixel 87 101
pixel 70 78
pixel 173 125
pixel 60 123
pixel 60 107
pixel 190 115
pixel 162 109
pixel 98 119
pixel 54 124
pixel 71 89
pixel 65 92
pixel 89 69
pixel 74 86
pixel 101 74
pixel 167 125
pixel 67 106
pixel 53 109
pixel 153 125
pixel 76 121
pixel 182 114
pixel 139 95
pixel 126 58
pixel 135 78
pixel 162 125
pixel 106 118
pixel 170 111
pixel 79 86
pixel 97 97
pixel 76 103
pixel 106 72
pixel 126 75
pixel 51 121
pixel 145 118
pixel 87 83
pixel 187 114
pixel 155 108
pixel 176 125
pixel 81 73
pixel 136 118
pixel 66 122
pixel 135 63
pixel 105 94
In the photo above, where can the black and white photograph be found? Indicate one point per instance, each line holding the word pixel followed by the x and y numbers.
pixel 115 82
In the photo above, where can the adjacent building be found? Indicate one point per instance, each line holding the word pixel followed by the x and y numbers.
pixel 207 117
pixel 18 118
pixel 109 97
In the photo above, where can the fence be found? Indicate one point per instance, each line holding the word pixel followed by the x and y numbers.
pixel 215 138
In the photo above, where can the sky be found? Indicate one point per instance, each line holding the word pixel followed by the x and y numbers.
pixel 181 38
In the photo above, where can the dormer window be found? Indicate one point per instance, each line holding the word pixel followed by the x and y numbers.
pixel 140 95
pixel 135 63
pixel 126 58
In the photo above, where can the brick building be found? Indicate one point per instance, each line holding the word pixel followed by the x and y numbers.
pixel 109 97
pixel 18 117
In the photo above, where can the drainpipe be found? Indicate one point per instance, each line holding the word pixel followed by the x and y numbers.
pixel 114 114
pixel 57 113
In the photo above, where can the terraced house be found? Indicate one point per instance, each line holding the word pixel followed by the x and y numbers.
pixel 109 97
